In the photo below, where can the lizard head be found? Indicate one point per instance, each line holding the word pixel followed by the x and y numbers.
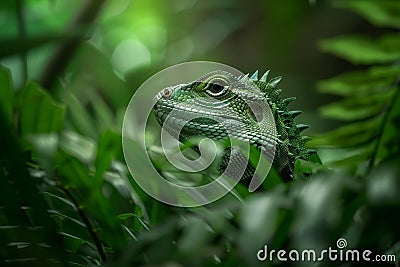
pixel 213 105
pixel 220 105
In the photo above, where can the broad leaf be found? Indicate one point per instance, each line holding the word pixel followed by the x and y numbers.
pixel 364 50
pixel 38 112
pixel 383 13
pixel 356 108
pixel 353 134
pixel 6 93
pixel 354 84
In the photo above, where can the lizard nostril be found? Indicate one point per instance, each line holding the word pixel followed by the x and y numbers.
pixel 166 93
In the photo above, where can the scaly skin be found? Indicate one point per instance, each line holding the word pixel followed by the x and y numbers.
pixel 249 109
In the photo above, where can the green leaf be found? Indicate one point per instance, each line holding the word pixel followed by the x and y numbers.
pixel 273 179
pixel 93 65
pixel 6 92
pixel 195 229
pixel 125 216
pixel 72 171
pixel 38 112
pixel 19 188
pixel 353 134
pixel 72 242
pixel 389 140
pixel 356 108
pixel 108 148
pixel 381 13
pixel 304 166
pixel 351 157
pixel 364 50
pixel 120 181
pixel 44 147
pixel 258 219
pixel 78 146
pixel 103 114
pixel 61 214
pixel 383 184
pixel 353 84
pixel 321 204
pixel 78 115
pixel 100 207
pixel 58 198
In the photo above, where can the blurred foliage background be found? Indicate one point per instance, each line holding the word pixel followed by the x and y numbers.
pixel 69 68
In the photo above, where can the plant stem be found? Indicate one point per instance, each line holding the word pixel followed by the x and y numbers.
pixel 385 120
pixel 22 38
pixel 59 60
pixel 86 221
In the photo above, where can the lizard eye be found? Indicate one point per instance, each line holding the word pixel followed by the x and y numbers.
pixel 216 87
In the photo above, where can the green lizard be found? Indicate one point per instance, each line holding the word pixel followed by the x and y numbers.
pixel 243 99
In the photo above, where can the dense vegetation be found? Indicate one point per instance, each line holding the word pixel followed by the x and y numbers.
pixel 66 196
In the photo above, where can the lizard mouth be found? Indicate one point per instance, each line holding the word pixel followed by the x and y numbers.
pixel 184 111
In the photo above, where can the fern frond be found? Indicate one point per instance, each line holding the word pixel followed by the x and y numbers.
pixel 370 97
